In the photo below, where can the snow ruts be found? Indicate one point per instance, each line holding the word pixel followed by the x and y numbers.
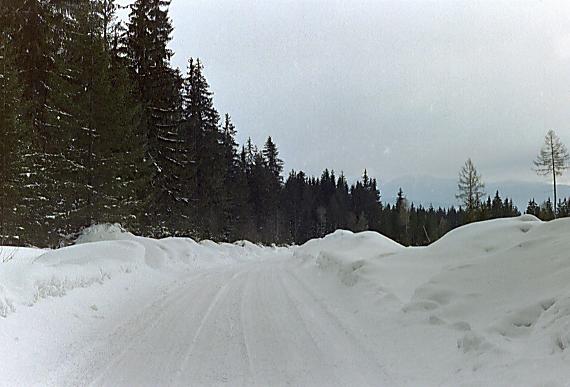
pixel 249 324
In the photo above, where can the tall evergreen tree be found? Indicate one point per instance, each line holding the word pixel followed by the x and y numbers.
pixel 402 217
pixel 87 172
pixel 272 179
pixel 12 132
pixel 204 139
pixel 272 160
pixel 148 33
pixel 105 122
pixel 37 33
pixel 38 29
pixel 235 184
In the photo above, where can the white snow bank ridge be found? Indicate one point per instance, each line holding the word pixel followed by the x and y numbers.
pixel 489 299
pixel 103 252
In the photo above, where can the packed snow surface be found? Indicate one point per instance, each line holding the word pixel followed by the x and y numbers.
pixel 488 304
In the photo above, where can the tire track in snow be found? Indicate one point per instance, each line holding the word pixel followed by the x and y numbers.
pixel 218 296
pixel 258 328
pixel 332 330
pixel 295 308
pixel 282 347
pixel 246 292
pixel 130 333
pixel 245 325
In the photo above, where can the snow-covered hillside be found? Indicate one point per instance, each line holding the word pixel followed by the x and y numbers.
pixel 488 304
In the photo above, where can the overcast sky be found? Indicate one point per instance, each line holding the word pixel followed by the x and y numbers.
pixel 398 87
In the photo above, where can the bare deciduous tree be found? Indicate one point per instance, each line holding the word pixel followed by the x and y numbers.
pixel 470 186
pixel 552 160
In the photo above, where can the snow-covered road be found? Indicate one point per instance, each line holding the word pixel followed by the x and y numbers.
pixel 489 304
pixel 255 322
pixel 248 324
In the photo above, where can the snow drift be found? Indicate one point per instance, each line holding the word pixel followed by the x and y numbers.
pixel 104 252
pixel 488 304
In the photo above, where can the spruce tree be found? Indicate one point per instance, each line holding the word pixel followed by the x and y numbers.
pixel 292 205
pixel 14 144
pixel 343 200
pixel 204 140
pixel 159 88
pixel 105 112
pixel 273 167
pixel 234 186
pixel 402 217
pixel 497 210
pixel 533 208
pixel 547 210
pixel 272 160
pixel 94 155
pixel 38 30
pixel 563 208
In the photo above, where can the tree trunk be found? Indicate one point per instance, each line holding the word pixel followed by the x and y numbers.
pixel 553 174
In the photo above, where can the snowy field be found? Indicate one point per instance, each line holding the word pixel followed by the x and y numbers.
pixel 488 304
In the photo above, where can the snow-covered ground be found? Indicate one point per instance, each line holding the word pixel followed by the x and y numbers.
pixel 488 304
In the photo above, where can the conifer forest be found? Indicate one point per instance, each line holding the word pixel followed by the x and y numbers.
pixel 96 126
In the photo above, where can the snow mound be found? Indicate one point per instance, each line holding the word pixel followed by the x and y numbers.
pixel 489 236
pixel 364 244
pixel 512 286
pixel 103 253
pixel 488 298
pixel 103 232
pixel 346 253
pixel 54 273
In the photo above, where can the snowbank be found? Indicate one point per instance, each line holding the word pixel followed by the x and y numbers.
pixel 345 253
pixel 488 303
pixel 102 253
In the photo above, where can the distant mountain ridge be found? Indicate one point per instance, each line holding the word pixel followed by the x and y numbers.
pixel 440 192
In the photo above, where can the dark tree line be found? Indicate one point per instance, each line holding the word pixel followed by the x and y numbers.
pixel 546 210
pixel 313 207
pixel 96 126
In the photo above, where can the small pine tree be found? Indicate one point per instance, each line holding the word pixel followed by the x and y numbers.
pixel 271 156
pixel 402 217
pixel 547 210
pixel 533 208
pixel 497 206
